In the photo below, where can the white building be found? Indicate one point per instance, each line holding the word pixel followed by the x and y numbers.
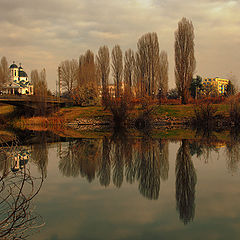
pixel 19 83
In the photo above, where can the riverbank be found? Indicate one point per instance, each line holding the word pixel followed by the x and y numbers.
pixel 168 116
pixel 166 121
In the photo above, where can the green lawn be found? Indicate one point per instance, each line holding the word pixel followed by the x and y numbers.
pixel 176 111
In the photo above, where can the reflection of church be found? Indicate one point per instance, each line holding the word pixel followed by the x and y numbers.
pixel 20 159
pixel 19 83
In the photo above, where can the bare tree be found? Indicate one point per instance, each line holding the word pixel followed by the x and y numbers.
pixel 103 69
pixel 86 90
pixel 34 79
pixel 163 74
pixel 39 82
pixel 69 73
pixel 40 90
pixel 234 82
pixel 18 187
pixel 147 64
pixel 117 67
pixel 4 71
pixel 185 63
pixel 129 65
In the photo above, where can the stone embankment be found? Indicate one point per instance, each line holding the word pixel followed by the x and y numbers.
pixel 171 121
pixel 168 122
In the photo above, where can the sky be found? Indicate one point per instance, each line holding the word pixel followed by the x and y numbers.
pixel 43 33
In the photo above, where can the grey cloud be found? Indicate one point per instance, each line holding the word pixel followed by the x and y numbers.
pixel 66 28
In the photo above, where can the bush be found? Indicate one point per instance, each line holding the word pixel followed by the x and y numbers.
pixel 173 94
pixel 204 114
pixel 234 113
pixel 212 100
pixel 119 108
pixel 171 101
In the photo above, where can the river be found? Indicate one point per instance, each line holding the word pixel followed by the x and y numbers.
pixel 122 187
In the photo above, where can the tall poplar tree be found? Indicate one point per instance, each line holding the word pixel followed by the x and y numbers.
pixel 185 62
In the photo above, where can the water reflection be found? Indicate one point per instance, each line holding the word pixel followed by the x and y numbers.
pixel 186 180
pixel 116 158
pixel 40 153
pixel 80 157
pixel 233 153
pixel 18 187
pixel 144 161
pixel 104 172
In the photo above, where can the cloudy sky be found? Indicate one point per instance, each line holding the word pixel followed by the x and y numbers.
pixel 42 33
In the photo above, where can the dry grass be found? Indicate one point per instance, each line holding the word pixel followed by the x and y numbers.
pixel 6 109
pixel 72 113
pixel 43 122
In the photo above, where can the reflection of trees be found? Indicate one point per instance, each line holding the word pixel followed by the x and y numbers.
pixel 203 148
pixel 17 189
pixel 186 180
pixel 233 155
pixel 40 153
pixel 105 166
pixel 87 155
pixel 120 151
pixel 68 164
pixel 142 160
pixel 196 148
pixel 80 157
pixel 118 164
pixel 164 163
pixel 5 162
pixel 149 170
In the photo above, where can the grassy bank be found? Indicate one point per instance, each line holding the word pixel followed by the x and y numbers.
pixel 57 122
pixel 179 112
pixel 71 114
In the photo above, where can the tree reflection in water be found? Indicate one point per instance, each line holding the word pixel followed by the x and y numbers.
pixel 40 153
pixel 142 160
pixel 17 190
pixel 80 157
pixel 149 169
pixel 104 172
pixel 186 180
pixel 233 151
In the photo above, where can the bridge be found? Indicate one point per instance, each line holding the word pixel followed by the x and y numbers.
pixel 32 102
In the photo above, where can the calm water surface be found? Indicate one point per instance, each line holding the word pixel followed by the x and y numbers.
pixel 119 188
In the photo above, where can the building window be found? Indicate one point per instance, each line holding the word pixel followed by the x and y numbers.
pixel 15 73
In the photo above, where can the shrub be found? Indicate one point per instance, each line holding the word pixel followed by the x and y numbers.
pixel 213 100
pixel 204 114
pixel 234 113
pixel 173 94
pixel 171 101
pixel 119 108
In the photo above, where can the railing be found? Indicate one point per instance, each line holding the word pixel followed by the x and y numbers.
pixel 32 98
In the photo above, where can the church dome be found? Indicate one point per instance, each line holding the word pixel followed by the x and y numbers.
pixel 13 65
pixel 22 74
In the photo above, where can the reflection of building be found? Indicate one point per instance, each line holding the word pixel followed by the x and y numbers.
pixel 219 83
pixel 20 159
pixel 220 145
pixel 19 83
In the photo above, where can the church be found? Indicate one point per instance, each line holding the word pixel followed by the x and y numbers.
pixel 19 83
